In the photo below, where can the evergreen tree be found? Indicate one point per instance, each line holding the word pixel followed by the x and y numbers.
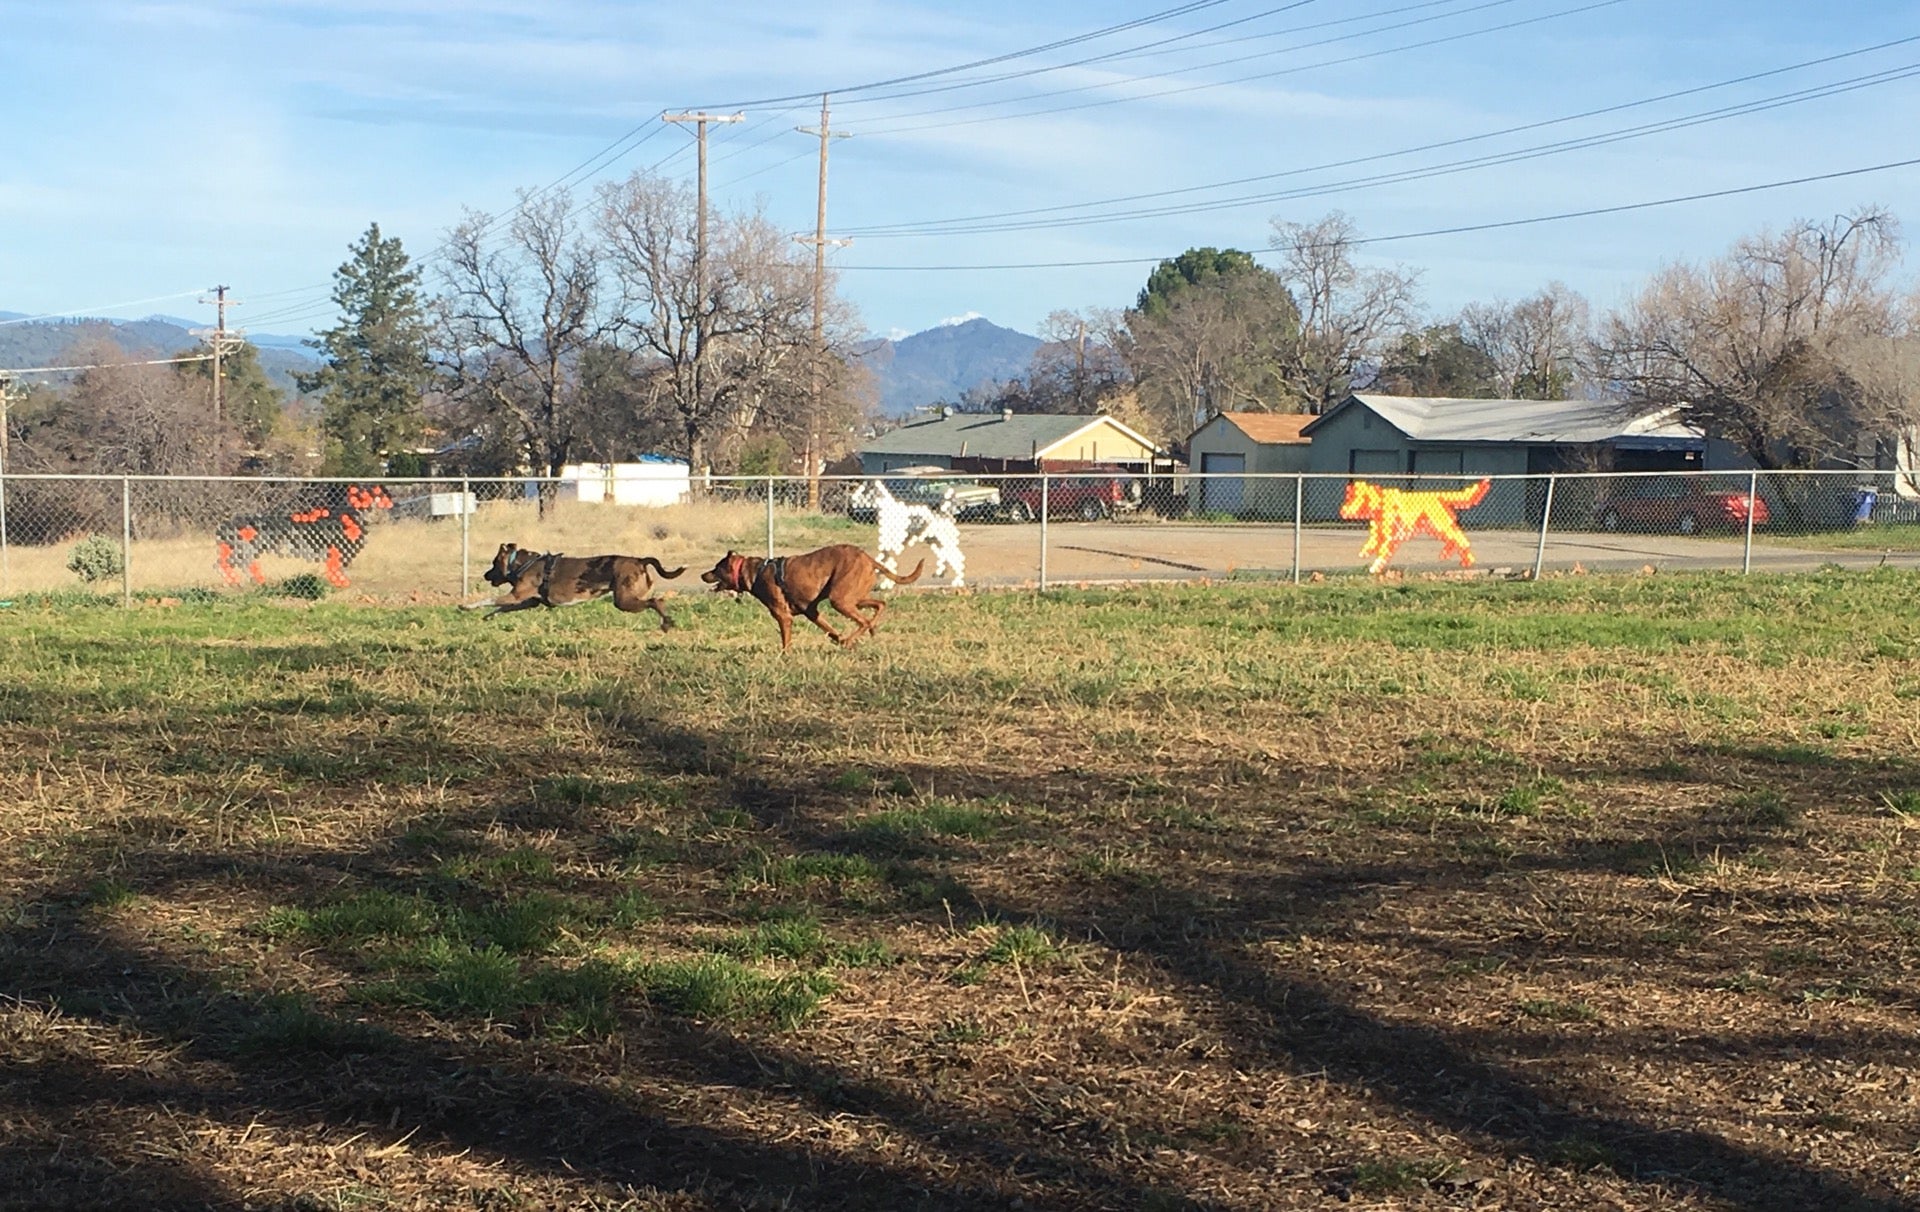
pixel 250 404
pixel 376 358
pixel 1202 267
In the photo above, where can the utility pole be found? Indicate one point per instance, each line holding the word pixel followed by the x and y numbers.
pixel 1080 369
pixel 221 340
pixel 820 242
pixel 702 314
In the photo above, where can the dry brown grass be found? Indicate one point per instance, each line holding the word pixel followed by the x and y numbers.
pixel 1459 895
pixel 414 556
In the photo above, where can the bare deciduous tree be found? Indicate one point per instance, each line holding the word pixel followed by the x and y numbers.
pixel 1076 370
pixel 1346 313
pixel 1766 346
pixel 515 318
pixel 1885 374
pixel 147 420
pixel 728 345
pixel 1539 346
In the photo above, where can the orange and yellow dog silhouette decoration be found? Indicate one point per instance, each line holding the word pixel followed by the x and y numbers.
pixel 1394 515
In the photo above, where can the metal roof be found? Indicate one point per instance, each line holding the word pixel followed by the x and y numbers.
pixel 990 435
pixel 1537 422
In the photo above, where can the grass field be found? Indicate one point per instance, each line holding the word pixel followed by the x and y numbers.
pixel 1584 893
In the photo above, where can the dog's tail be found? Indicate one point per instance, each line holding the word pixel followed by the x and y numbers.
pixel 1468 497
pixel 895 577
pixel 661 568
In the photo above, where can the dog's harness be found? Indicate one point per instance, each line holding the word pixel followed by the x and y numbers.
pixel 777 567
pixel 546 574
pixel 522 560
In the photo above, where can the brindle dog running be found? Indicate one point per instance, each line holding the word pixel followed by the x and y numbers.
pixel 533 578
pixel 841 575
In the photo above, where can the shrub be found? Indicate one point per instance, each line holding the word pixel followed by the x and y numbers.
pixel 96 558
pixel 306 586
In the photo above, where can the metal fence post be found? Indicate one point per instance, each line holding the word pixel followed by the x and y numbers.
pixel 1299 504
pixel 126 541
pixel 1753 494
pixel 6 567
pixel 769 517
pixel 466 537
pixel 1546 512
pixel 1044 494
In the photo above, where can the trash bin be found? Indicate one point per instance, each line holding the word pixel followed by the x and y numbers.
pixel 1865 498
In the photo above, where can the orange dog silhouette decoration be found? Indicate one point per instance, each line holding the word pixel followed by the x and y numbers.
pixel 1394 515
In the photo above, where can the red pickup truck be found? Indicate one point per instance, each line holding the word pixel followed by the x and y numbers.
pixel 1089 494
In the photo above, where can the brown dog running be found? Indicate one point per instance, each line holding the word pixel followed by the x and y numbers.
pixel 533 578
pixel 841 575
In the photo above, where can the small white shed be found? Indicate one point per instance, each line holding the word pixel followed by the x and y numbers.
pixel 648 481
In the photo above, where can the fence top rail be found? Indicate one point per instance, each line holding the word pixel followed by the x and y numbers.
pixel 451 481
pixel 1082 473
pixel 117 477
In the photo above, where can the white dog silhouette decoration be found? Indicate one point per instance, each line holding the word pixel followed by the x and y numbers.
pixel 902 525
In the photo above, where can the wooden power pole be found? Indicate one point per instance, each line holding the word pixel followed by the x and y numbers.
pixel 702 313
pixel 221 340
pixel 820 242
pixel 1080 369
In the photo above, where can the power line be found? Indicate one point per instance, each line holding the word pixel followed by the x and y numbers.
pixel 1134 52
pixel 571 177
pixel 1288 71
pixel 1518 155
pixel 1137 79
pixel 770 167
pixel 884 228
pixel 1301 29
pixel 49 370
pixel 1431 232
pixel 1149 19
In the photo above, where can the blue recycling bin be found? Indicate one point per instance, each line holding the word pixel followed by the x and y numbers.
pixel 1864 499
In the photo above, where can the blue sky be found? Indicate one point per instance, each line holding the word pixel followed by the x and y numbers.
pixel 153 149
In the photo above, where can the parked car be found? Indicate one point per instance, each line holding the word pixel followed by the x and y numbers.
pixel 934 487
pixel 1679 504
pixel 1088 495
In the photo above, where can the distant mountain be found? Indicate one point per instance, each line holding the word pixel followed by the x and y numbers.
pixel 942 364
pixel 937 366
pixel 51 342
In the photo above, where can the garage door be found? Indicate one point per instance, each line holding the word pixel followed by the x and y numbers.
pixel 1222 496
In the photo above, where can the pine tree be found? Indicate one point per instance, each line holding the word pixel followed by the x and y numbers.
pixel 376 358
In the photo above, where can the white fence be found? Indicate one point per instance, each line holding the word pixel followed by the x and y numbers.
pixel 429 540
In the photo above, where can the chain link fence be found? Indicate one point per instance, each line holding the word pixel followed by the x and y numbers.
pixel 430 539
